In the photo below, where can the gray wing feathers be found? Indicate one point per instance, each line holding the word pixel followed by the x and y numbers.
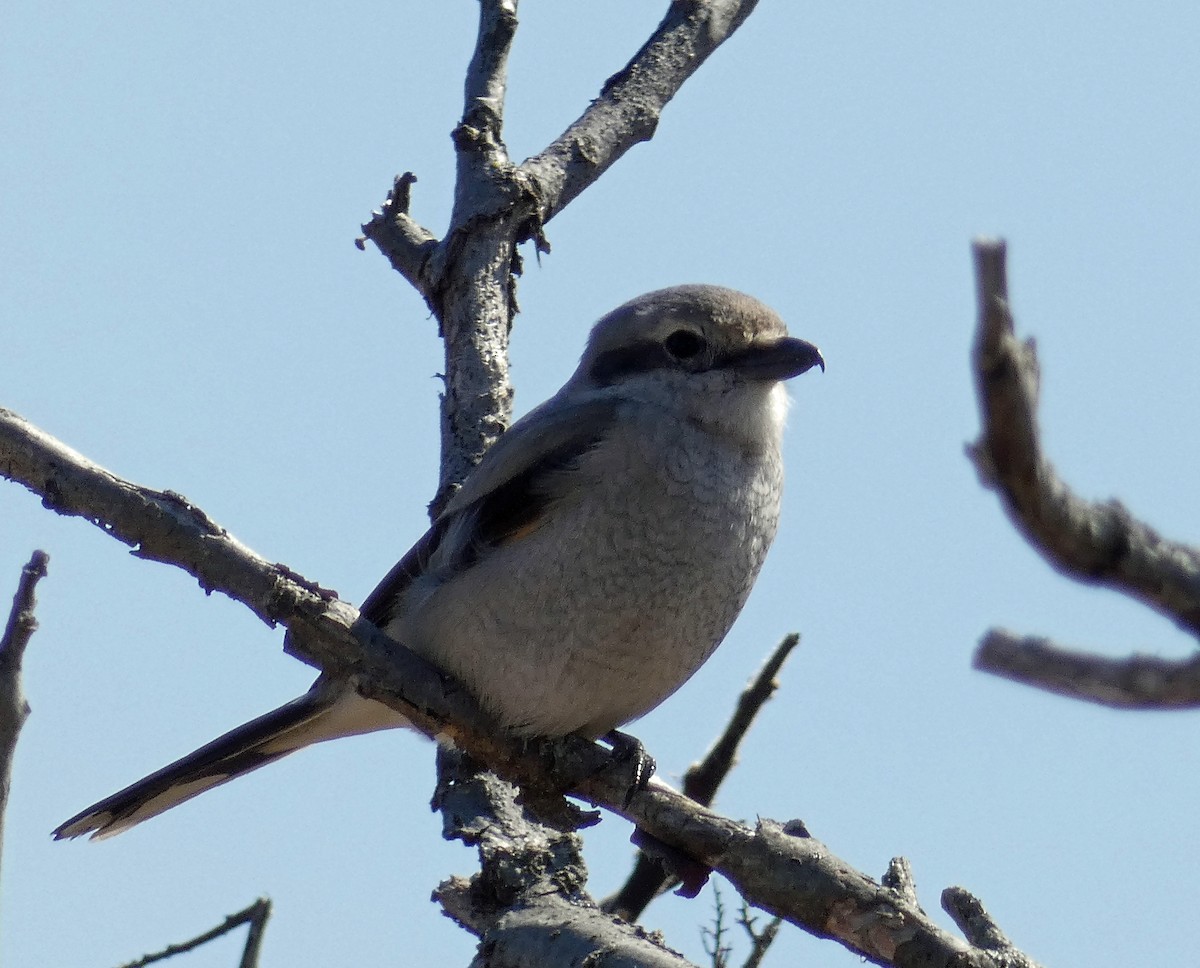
pixel 503 494
pixel 500 497
pixel 552 428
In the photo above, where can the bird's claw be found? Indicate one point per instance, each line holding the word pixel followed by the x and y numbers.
pixel 629 750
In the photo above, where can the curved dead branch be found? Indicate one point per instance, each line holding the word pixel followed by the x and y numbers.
pixel 1097 543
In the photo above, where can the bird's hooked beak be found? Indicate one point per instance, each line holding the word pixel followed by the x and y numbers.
pixel 781 360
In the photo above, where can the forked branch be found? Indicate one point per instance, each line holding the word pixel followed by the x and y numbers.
pixel 1097 543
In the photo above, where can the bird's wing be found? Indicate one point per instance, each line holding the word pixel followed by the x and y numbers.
pixel 503 498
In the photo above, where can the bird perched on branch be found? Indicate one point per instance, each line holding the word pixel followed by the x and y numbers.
pixel 593 560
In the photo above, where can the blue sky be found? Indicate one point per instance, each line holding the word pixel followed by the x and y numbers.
pixel 182 302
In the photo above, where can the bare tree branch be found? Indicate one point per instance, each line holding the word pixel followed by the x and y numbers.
pixel 1134 682
pixel 468 277
pixel 162 526
pixel 405 243
pixel 714 938
pixel 256 915
pixel 14 709
pixel 983 932
pixel 632 100
pixel 1094 543
pixel 649 878
pixel 703 779
pixel 778 868
pixel 625 113
pixel 760 941
pixel 527 903
pixel 483 110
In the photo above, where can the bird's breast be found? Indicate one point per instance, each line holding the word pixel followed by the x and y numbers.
pixel 629 581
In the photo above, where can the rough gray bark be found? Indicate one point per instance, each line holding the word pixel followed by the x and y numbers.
pixel 528 904
pixel 468 276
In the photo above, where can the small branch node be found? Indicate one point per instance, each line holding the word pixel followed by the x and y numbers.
pixel 977 926
pixel 899 878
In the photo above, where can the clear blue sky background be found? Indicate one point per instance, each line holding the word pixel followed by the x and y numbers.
pixel 181 301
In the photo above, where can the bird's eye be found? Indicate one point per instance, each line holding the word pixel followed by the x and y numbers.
pixel 683 344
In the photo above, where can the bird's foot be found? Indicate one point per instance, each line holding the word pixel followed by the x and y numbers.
pixel 629 750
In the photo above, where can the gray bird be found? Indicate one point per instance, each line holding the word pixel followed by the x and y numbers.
pixel 593 560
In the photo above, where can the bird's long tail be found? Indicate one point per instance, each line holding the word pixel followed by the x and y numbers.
pixel 321 714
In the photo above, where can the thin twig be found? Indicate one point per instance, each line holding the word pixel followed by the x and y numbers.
pixel 760 941
pixel 713 939
pixel 649 878
pixel 14 708
pixel 255 915
pixel 703 779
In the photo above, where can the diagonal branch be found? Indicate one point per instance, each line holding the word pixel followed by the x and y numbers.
pixel 255 915
pixel 632 100
pixel 981 929
pixel 404 242
pixel 779 868
pixel 1098 543
pixel 162 526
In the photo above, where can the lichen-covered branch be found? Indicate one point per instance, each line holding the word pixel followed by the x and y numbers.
pixel 779 868
pixel 14 709
pixel 1098 543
